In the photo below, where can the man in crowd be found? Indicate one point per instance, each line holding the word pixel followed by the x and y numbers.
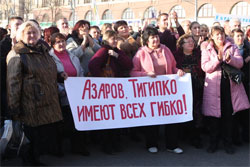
pixel 5 47
pixel 227 27
pixel 63 26
pixel 185 25
pixel 166 31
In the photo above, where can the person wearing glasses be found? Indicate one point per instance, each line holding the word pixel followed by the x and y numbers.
pixel 188 58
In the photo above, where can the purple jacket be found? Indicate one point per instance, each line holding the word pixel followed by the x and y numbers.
pixel 211 66
pixel 118 65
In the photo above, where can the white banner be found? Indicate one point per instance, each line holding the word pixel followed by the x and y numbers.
pixel 245 20
pixel 107 103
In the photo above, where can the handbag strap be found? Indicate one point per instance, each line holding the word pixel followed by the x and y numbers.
pixel 24 63
pixel 108 61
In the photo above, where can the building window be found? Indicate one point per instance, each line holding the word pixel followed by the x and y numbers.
pixel 241 9
pixel 150 13
pixel 179 10
pixel 107 15
pixel 45 3
pixel 207 10
pixel 128 14
pixel 89 16
pixel 87 1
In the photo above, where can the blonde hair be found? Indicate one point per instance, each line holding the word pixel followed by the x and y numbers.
pixel 204 26
pixel 24 26
pixel 105 26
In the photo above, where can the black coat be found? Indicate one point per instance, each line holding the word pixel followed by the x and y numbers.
pixel 245 68
pixel 5 47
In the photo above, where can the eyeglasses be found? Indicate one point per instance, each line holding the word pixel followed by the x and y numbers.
pixel 60 41
pixel 189 42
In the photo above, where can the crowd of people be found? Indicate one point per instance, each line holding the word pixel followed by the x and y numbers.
pixel 35 63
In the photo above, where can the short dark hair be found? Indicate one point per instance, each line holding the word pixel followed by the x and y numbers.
pixel 180 41
pixel 192 24
pixel 119 23
pixel 56 35
pixel 16 18
pixel 214 29
pixel 236 30
pixel 217 28
pixel 35 21
pixel 162 14
pixel 95 27
pixel 149 31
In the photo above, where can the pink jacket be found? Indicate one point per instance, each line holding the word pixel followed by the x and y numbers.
pixel 211 66
pixel 143 63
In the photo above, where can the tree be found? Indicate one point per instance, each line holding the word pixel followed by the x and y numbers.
pixel 26 7
pixel 54 6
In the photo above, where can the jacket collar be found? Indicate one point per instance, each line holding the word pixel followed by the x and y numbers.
pixel 227 44
pixel 149 50
pixel 22 48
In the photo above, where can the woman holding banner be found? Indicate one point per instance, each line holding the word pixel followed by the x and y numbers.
pixel 109 61
pixel 68 63
pixel 188 58
pixel 151 60
pixel 222 96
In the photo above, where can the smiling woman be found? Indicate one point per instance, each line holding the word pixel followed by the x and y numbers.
pixel 188 58
pixel 28 33
pixel 32 92
pixel 69 64
pixel 151 60
pixel 222 98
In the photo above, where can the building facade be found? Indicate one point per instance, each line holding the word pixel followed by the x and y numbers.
pixel 134 11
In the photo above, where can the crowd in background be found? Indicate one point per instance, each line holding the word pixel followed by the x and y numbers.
pixel 35 63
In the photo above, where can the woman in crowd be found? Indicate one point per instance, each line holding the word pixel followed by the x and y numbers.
pixel 95 33
pixel 195 31
pixel 82 44
pixel 151 60
pixel 69 63
pixel 242 118
pixel 131 44
pixel 188 58
pixel 32 92
pixel 48 32
pixel 105 27
pixel 118 62
pixel 222 97
pixel 247 38
pixel 204 31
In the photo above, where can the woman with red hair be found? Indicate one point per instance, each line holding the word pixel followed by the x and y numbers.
pixel 48 32
pixel 82 44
